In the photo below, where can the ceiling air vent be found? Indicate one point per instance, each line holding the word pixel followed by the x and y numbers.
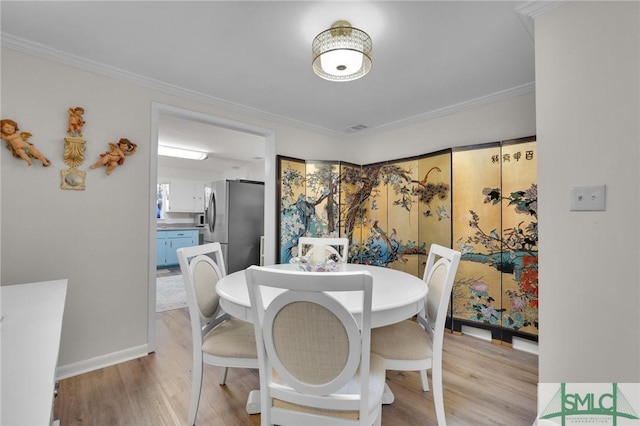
pixel 356 128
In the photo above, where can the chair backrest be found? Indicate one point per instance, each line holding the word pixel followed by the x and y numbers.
pixel 339 246
pixel 200 274
pixel 309 345
pixel 439 274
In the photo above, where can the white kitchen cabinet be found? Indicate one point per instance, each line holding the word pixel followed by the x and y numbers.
pixel 185 196
pixel 200 201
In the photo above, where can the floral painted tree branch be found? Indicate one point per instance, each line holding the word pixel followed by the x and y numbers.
pixel 408 191
pixel 326 181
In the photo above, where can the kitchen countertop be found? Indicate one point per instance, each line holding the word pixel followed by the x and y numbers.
pixel 177 227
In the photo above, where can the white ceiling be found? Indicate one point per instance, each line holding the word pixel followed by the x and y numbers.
pixel 429 58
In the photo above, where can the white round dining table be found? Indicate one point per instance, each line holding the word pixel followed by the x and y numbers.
pixel 396 295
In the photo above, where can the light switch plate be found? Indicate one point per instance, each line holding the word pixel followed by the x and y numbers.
pixel 587 197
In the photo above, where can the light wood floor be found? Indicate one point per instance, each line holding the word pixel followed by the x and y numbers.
pixel 484 384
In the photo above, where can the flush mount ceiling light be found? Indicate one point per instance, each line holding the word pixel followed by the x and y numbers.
pixel 169 151
pixel 341 53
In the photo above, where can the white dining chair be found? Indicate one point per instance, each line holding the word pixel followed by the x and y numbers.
pixel 315 362
pixel 417 345
pixel 339 246
pixel 218 339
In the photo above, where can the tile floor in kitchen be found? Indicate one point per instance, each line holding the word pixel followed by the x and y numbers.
pixel 167 271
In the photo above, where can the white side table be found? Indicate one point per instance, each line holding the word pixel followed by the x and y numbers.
pixel 30 331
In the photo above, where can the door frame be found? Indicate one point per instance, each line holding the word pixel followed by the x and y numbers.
pixel 269 193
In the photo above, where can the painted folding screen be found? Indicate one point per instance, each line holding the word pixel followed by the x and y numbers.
pixel 495 228
pixel 391 212
pixel 481 200
pixel 406 206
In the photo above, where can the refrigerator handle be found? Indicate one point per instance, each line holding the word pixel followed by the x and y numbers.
pixel 213 212
pixel 208 213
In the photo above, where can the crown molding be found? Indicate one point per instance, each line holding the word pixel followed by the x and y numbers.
pixel 45 52
pixel 533 9
pixel 58 56
pixel 456 108
pixel 530 10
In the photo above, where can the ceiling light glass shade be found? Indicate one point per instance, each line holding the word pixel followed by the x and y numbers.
pixel 341 53
pixel 168 151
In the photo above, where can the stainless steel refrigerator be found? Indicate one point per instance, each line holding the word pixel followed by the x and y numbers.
pixel 235 218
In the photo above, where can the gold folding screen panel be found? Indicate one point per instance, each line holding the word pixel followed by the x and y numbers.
pixel 520 236
pixel 476 224
pixel 294 212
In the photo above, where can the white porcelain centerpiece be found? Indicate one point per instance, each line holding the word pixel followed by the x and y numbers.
pixel 333 263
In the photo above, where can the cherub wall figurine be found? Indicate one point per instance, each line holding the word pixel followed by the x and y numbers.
pixel 18 144
pixel 116 156
pixel 76 121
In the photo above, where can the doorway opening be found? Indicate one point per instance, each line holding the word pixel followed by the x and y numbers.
pixel 166 115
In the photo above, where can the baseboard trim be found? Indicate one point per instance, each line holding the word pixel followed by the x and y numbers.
pixel 517 343
pixel 525 345
pixel 477 333
pixel 497 332
pixel 102 361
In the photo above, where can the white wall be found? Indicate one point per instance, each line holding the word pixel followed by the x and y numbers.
pixel 508 119
pixel 587 92
pixel 99 238
pixel 96 238
pixel 253 171
pixel 166 173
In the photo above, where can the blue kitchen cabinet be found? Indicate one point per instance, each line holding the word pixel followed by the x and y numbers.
pixel 161 250
pixel 167 242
